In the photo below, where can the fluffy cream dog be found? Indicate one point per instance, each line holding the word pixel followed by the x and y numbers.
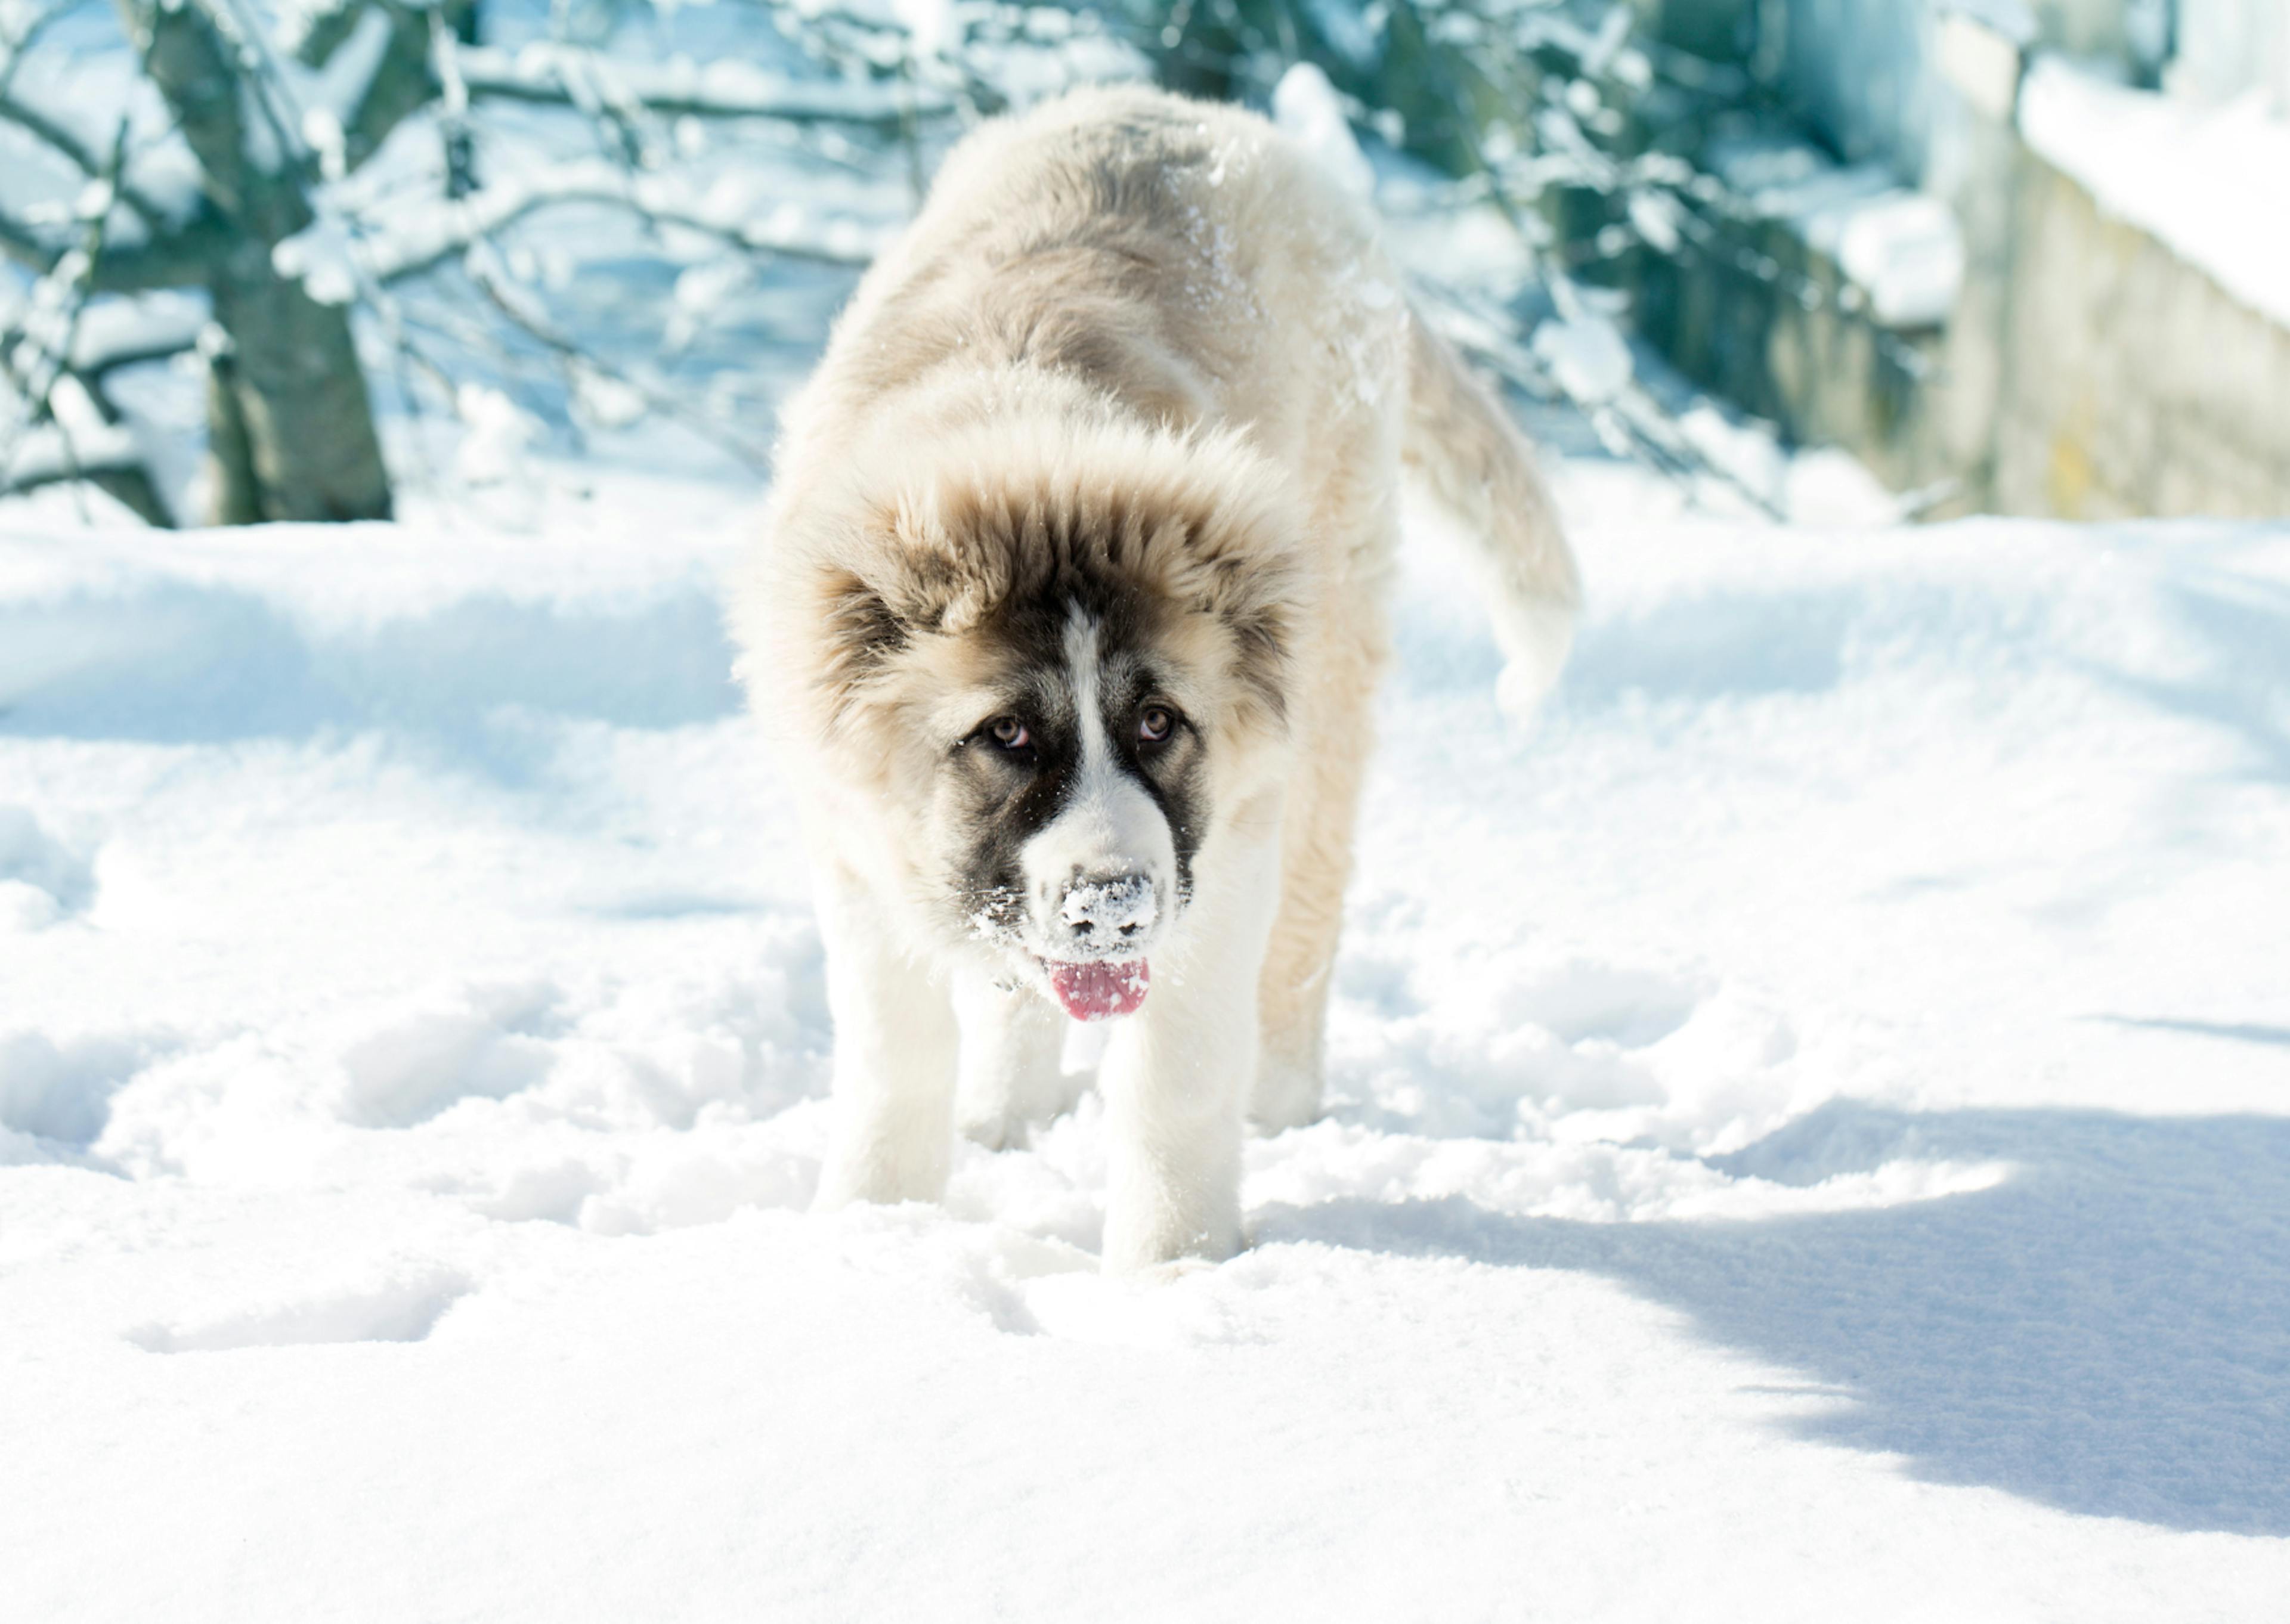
pixel 1070 608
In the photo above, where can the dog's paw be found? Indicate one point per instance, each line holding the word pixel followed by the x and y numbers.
pixel 997 1131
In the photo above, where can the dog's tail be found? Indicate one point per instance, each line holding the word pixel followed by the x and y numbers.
pixel 1480 469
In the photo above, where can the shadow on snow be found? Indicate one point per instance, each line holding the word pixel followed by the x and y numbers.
pixel 2107 1332
pixel 179 661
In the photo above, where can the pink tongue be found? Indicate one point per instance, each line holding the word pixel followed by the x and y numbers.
pixel 1094 991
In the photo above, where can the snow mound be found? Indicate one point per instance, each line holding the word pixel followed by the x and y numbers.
pixel 117 635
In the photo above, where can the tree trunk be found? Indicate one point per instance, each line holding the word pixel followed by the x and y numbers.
pixel 233 492
pixel 290 423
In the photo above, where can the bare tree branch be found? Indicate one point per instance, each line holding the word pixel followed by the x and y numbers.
pixel 433 235
pixel 69 432
pixel 177 258
pixel 121 474
pixel 39 363
pixel 26 246
pixel 573 355
pixel 93 449
pixel 53 134
pixel 49 133
pixel 20 46
pixel 395 80
pixel 570 76
pixel 402 84
pixel 1631 423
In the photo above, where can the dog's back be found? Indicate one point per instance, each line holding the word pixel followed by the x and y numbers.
pixel 1177 260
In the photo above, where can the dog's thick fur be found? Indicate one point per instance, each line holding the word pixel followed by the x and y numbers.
pixel 1071 605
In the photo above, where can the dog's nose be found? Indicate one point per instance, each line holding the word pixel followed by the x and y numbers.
pixel 1105 911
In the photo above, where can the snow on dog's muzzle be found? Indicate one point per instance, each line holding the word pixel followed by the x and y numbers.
pixel 1105 913
pixel 1100 916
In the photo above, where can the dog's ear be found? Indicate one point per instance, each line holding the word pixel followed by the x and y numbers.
pixel 932 583
pixel 1262 660
pixel 1257 605
pixel 861 634
pixel 1237 565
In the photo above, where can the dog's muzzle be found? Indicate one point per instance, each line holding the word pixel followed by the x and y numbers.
pixel 1104 924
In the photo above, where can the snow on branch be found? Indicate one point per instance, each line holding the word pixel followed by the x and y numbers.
pixel 20 241
pixel 341 108
pixel 128 332
pixel 53 133
pixel 570 75
pixel 417 237
pixel 50 132
pixel 178 258
pixel 50 455
pixel 19 31
pixel 80 441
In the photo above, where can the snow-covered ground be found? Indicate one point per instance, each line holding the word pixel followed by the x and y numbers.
pixel 1811 1133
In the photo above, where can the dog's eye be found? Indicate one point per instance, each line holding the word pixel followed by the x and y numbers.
pixel 1155 724
pixel 1009 732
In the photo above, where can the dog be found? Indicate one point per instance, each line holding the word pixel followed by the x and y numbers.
pixel 1068 611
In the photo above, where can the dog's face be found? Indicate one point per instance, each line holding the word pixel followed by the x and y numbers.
pixel 1067 816
pixel 1057 687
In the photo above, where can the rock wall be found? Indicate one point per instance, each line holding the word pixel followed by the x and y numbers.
pixel 2088 368
pixel 2132 384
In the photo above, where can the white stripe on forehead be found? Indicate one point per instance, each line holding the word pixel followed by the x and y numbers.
pixel 1084 675
pixel 1100 777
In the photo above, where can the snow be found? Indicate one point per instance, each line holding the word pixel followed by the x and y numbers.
pixel 932 25
pixel 2211 183
pixel 1807 1138
pixel 1977 50
pixel 324 257
pixel 500 433
pixel 1587 355
pixel 1901 249
pixel 1311 113
pixel 1907 255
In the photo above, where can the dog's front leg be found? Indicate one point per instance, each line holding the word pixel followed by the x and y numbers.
pixel 895 1047
pixel 1179 1071
pixel 1009 1079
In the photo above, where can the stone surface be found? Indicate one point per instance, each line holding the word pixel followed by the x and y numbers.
pixel 2134 384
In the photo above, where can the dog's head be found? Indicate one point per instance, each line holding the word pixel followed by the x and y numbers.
pixel 1059 661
